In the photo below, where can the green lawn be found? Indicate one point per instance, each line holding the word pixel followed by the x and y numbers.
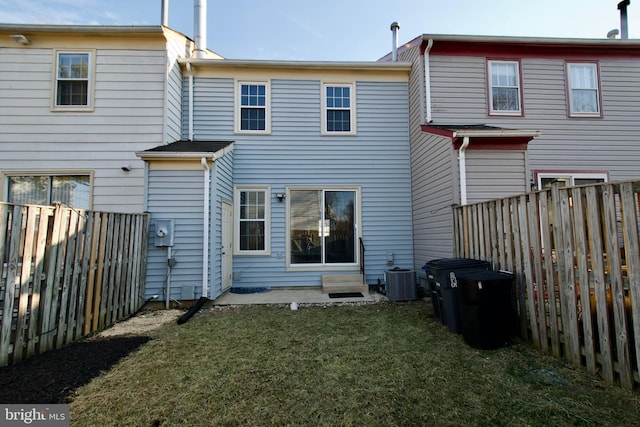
pixel 387 364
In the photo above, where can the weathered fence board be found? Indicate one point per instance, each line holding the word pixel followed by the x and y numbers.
pixel 575 253
pixel 57 268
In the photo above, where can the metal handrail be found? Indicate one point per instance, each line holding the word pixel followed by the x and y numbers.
pixel 362 249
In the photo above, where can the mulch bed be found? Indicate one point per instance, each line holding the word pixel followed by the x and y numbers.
pixel 53 377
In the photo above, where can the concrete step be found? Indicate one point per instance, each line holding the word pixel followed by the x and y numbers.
pixel 343 283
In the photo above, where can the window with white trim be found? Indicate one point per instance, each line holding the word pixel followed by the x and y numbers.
pixel 323 226
pixel 252 225
pixel 338 109
pixel 505 94
pixel 253 107
pixel 584 96
pixel 70 190
pixel 569 179
pixel 73 81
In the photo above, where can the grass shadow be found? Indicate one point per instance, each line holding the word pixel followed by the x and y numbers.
pixel 52 377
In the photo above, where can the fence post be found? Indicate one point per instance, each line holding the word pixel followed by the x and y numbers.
pixel 632 255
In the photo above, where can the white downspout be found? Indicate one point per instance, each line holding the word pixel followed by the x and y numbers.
pixel 463 170
pixel 427 81
pixel 205 232
pixel 190 71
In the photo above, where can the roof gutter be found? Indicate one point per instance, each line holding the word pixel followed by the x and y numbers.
pixel 504 133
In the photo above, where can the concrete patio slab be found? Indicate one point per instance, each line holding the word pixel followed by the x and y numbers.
pixel 287 296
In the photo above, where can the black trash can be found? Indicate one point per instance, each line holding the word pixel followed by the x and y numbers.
pixel 442 273
pixel 486 307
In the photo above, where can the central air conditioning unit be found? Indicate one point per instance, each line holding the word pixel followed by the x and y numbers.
pixel 401 284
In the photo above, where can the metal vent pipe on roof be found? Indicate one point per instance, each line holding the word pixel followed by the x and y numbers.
pixel 394 46
pixel 200 27
pixel 164 14
pixel 624 22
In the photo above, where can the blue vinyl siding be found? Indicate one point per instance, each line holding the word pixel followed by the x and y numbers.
pixel 376 160
pixel 177 195
pixel 221 190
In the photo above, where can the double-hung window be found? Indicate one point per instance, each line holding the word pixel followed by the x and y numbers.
pixel 70 190
pixel 338 109
pixel 505 94
pixel 252 208
pixel 584 96
pixel 73 81
pixel 253 107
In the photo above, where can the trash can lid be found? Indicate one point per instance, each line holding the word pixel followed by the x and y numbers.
pixel 485 275
pixel 444 263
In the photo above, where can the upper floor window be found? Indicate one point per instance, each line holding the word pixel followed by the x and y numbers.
pixel 253 110
pixel 71 190
pixel 252 221
pixel 584 96
pixel 505 94
pixel 73 85
pixel 338 109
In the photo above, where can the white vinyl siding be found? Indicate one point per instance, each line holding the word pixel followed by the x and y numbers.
pixel 128 116
pixel 584 96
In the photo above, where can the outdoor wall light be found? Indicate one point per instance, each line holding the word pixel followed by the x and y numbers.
pixel 19 38
pixel 280 196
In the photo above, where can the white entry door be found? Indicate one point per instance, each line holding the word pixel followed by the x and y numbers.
pixel 227 250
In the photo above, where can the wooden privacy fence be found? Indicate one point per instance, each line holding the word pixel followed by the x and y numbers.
pixel 65 274
pixel 575 253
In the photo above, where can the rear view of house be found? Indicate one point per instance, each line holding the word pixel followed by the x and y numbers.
pixel 287 172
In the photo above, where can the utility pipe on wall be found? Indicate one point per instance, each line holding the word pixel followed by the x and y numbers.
pixel 463 170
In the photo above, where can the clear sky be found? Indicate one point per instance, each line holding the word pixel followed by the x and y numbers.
pixel 340 30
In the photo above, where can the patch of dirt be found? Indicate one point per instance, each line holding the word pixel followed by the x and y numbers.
pixel 53 377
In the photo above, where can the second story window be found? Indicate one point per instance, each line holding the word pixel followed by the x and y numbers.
pixel 338 109
pixel 253 101
pixel 584 97
pixel 504 88
pixel 73 74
